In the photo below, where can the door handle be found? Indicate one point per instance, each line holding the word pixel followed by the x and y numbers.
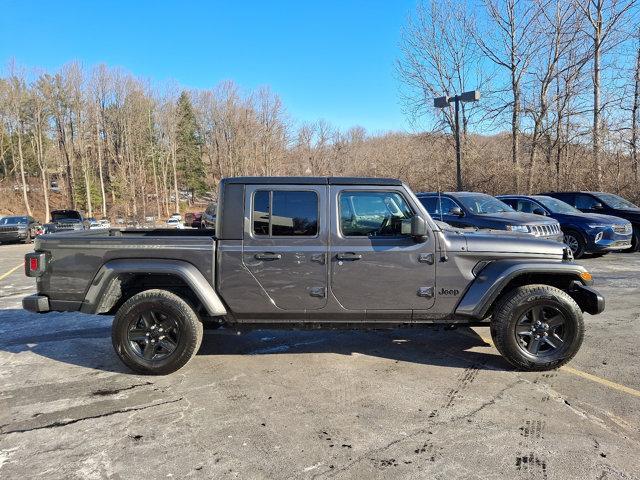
pixel 268 256
pixel 348 256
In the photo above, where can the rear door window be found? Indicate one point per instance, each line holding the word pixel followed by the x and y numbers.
pixel 285 213
pixel 585 202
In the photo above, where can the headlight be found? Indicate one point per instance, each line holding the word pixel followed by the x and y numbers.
pixel 518 228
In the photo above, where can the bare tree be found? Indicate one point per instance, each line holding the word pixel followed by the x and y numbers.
pixel 606 20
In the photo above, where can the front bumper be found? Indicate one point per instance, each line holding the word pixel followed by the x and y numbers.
pixel 588 298
pixel 12 236
pixel 36 303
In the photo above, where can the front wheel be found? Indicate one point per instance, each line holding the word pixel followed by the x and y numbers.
pixel 156 332
pixel 575 242
pixel 537 327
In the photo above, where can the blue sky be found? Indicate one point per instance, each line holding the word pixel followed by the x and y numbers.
pixel 326 59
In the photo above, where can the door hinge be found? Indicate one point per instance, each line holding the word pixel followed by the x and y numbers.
pixel 426 258
pixel 319 292
pixel 425 292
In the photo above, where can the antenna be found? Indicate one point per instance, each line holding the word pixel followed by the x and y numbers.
pixel 440 204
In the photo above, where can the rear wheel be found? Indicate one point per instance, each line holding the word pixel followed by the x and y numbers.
pixel 575 241
pixel 537 327
pixel 156 332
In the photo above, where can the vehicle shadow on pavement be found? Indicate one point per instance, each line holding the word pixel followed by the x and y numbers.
pixel 85 341
pixel 436 346
pixel 72 338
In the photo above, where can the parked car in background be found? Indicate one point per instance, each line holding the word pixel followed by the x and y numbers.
pixel 209 217
pixel 176 216
pixel 98 224
pixel 584 233
pixel 605 203
pixel 65 220
pixel 174 223
pixel 479 210
pixel 18 228
pixel 193 219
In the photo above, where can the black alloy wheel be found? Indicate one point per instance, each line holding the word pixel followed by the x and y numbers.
pixel 541 330
pixel 153 335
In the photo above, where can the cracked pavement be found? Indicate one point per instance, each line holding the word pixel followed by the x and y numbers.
pixel 414 403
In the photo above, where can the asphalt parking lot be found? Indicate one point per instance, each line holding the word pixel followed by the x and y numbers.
pixel 414 403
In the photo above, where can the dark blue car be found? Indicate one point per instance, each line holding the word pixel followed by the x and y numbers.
pixel 584 233
pixel 607 203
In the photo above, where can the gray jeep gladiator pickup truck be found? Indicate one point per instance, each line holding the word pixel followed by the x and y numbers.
pixel 296 252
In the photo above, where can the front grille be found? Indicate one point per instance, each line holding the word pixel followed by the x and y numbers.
pixel 5 229
pixel 63 226
pixel 624 229
pixel 545 230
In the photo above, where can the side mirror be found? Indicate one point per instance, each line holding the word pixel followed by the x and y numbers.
pixel 597 206
pixel 457 211
pixel 539 211
pixel 419 229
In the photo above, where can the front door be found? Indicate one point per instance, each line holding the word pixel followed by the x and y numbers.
pixel 375 264
pixel 285 244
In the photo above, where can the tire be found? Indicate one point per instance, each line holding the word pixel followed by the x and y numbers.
pixel 575 241
pixel 511 316
pixel 598 254
pixel 161 321
pixel 635 240
pixel 28 239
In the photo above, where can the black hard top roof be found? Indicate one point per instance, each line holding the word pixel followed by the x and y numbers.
pixel 312 181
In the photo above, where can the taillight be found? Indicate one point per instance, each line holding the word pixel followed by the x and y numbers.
pixel 34 264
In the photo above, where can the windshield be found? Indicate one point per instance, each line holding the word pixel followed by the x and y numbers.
pixel 13 221
pixel 65 216
pixel 615 201
pixel 556 206
pixel 482 204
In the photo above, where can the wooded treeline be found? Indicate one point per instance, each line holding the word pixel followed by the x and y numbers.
pixel 561 99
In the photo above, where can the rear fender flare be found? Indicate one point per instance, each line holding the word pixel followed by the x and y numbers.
pixel 109 273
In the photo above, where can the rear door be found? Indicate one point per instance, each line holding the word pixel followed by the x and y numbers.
pixel 375 264
pixel 285 244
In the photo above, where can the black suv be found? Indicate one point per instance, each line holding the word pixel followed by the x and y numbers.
pixel 479 210
pixel 606 203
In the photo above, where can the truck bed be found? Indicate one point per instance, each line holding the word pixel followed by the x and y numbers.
pixel 75 258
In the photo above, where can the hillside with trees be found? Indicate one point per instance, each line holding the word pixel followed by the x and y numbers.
pixel 560 109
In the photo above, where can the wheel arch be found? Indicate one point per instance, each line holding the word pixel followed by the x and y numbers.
pixel 119 280
pixel 499 278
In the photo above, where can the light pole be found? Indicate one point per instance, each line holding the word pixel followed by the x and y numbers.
pixel 443 102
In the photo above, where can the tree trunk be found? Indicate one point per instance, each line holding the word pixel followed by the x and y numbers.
pixel 22 175
pixel 635 111
pixel 99 150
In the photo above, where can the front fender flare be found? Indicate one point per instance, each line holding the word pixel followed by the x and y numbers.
pixel 108 274
pixel 493 278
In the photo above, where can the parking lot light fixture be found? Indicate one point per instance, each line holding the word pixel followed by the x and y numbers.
pixel 443 102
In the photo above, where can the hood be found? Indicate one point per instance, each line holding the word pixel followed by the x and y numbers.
pixel 598 218
pixel 499 242
pixel 518 218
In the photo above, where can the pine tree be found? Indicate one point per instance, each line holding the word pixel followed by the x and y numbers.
pixel 188 152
